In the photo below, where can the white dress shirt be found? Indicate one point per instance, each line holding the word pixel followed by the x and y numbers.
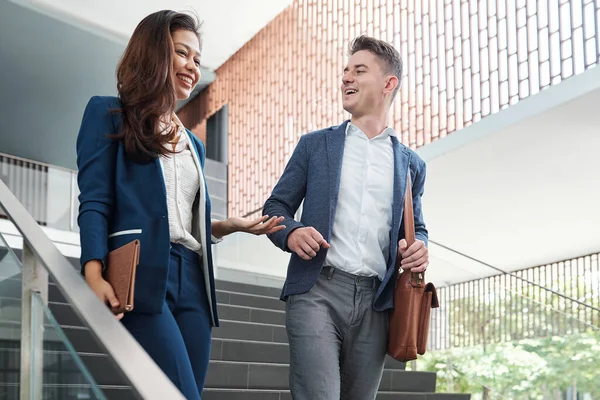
pixel 360 239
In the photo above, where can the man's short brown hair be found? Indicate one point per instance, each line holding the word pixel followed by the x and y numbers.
pixel 392 62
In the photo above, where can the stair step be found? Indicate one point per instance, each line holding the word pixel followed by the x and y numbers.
pixel 245 394
pixel 421 396
pixel 119 393
pixel 242 375
pixel 250 314
pixel 103 369
pixel 390 363
pixel 11 288
pixel 248 288
pixel 249 351
pixel 10 310
pixel 265 352
pixel 250 300
pixel 250 331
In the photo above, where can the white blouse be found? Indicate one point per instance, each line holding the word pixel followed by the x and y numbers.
pixel 182 182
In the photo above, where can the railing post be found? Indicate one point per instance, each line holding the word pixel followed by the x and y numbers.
pixel 34 279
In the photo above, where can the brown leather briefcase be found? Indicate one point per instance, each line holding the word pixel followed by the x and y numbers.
pixel 120 273
pixel 413 300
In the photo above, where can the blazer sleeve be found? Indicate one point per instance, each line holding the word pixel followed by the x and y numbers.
pixel 418 190
pixel 288 194
pixel 96 159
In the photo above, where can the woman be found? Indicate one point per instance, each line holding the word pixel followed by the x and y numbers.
pixel 141 177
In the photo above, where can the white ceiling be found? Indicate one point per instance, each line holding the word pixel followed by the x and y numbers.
pixel 227 24
pixel 519 188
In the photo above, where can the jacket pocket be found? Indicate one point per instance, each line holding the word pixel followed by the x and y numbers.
pixel 126 232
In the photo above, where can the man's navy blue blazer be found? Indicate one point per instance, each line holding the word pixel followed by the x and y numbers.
pixel 122 200
pixel 313 175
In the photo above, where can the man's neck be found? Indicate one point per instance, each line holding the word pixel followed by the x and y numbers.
pixel 371 125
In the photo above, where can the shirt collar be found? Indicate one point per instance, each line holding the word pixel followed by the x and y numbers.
pixel 355 130
pixel 181 133
pixel 180 128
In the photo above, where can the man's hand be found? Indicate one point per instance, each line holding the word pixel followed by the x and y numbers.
pixel 414 258
pixel 306 242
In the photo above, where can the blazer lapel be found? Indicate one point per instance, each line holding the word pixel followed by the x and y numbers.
pixel 202 189
pixel 335 153
pixel 401 165
pixel 204 228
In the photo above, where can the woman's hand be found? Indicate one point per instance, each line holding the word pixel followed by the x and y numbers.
pixel 259 226
pixel 103 289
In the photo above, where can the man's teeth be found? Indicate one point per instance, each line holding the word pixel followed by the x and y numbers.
pixel 350 91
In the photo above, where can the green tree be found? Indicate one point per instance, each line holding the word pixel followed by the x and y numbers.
pixel 529 369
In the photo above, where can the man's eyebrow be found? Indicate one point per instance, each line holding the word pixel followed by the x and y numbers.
pixel 356 66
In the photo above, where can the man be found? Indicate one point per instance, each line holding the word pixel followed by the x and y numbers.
pixel 340 280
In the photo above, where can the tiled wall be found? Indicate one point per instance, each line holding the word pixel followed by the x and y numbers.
pixel 464 60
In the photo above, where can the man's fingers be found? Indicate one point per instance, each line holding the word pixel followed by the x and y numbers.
pixel 414 264
pixel 119 316
pixel 420 268
pixel 307 248
pixel 408 258
pixel 314 245
pixel 413 248
pixel 303 255
pixel 319 239
pixel 402 247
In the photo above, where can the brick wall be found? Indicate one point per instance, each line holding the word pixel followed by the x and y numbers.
pixel 464 59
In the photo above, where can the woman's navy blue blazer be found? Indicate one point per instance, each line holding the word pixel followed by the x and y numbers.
pixel 122 200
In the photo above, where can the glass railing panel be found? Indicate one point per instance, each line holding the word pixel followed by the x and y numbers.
pixel 10 322
pixel 65 376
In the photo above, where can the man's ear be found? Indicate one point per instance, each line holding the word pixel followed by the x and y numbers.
pixel 391 84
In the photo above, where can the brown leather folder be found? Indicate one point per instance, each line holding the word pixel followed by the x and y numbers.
pixel 120 273
pixel 413 300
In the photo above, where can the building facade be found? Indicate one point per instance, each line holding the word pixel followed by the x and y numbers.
pixel 463 60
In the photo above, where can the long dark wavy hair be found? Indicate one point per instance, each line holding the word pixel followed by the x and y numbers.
pixel 145 85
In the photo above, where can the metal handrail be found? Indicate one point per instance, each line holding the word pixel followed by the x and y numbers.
pixel 145 377
pixel 512 274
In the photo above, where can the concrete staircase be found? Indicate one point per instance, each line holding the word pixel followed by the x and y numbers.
pixel 249 355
